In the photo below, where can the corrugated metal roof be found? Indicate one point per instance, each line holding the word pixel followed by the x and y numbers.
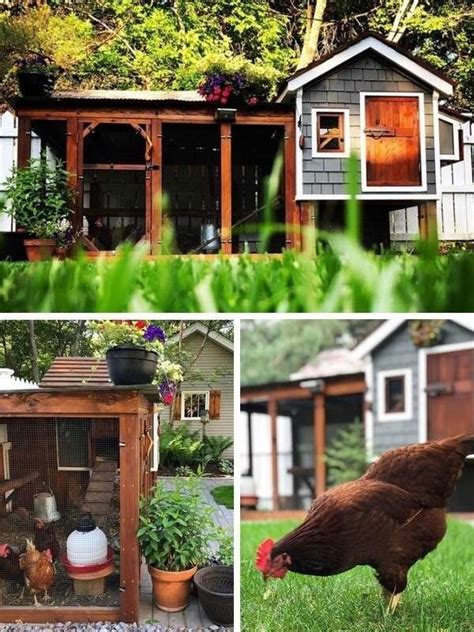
pixel 129 95
pixel 66 372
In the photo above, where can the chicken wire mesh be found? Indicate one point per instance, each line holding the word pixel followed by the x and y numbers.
pixel 59 512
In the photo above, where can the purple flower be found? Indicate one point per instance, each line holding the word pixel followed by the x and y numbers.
pixel 154 332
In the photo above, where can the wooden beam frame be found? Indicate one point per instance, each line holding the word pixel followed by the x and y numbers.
pixel 24 141
pixel 226 188
pixel 156 207
pixel 319 415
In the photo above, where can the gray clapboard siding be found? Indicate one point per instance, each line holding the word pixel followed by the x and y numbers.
pixel 399 352
pixel 342 89
pixel 213 357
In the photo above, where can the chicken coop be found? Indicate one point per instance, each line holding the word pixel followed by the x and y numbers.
pixel 76 449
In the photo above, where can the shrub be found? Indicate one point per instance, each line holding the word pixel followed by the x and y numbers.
pixel 346 456
pixel 226 466
pixel 214 446
pixel 179 446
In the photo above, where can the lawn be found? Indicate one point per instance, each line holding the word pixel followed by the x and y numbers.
pixel 224 495
pixel 344 278
pixel 439 596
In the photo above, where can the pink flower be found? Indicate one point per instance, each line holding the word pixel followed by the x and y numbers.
pixel 168 399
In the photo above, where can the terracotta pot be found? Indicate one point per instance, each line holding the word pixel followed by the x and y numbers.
pixel 171 589
pixel 39 249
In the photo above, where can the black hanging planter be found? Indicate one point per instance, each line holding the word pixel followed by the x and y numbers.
pixel 129 364
pixel 34 83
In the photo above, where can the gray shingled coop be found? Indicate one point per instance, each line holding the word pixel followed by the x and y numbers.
pixel 373 99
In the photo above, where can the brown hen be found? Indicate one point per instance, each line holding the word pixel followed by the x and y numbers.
pixel 38 570
pixel 388 519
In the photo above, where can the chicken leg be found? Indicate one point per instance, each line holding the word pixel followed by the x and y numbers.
pixel 392 600
pixel 37 603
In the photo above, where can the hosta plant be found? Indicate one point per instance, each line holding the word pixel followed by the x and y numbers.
pixel 176 528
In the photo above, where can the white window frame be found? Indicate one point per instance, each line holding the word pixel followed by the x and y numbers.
pixel 405 415
pixel 314 133
pixel 183 398
pixel 422 128
pixel 62 468
pixel 456 126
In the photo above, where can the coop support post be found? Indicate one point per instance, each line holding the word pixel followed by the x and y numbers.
pixel 309 221
pixel 226 188
pixel 24 141
pixel 427 217
pixel 72 163
pixel 292 215
pixel 156 213
pixel 319 412
pixel 272 408
pixel 129 499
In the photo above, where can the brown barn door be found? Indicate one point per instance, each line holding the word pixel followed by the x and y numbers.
pixel 450 393
pixel 392 141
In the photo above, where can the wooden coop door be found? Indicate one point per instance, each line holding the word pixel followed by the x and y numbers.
pixel 450 392
pixel 392 141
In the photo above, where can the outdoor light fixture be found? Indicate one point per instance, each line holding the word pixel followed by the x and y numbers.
pixel 204 421
pixel 315 386
pixel 225 114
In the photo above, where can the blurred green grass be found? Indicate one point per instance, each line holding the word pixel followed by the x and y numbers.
pixel 439 596
pixel 341 278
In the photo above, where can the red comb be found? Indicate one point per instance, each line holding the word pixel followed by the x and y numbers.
pixel 262 561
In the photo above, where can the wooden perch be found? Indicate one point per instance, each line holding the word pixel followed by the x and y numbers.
pixel 17 483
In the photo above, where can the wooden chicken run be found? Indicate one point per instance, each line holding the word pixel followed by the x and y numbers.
pixel 89 444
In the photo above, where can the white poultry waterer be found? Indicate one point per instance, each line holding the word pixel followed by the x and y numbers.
pixel 87 545
pixel 44 507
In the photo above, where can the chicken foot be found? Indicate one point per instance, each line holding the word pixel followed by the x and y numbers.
pixel 46 597
pixel 392 600
pixel 37 603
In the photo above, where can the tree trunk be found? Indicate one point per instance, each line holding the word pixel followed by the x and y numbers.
pixel 314 20
pixel 34 351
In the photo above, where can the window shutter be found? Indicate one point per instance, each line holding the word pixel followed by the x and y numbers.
pixel 214 404
pixel 177 407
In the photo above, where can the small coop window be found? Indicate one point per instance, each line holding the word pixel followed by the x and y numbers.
pixel 194 404
pixel 448 139
pixel 330 133
pixel 73 439
pixel 395 395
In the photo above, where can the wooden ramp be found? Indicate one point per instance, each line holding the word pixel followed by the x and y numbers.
pixel 100 490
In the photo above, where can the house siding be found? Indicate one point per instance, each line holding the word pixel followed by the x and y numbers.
pixel 342 89
pixel 399 352
pixel 213 358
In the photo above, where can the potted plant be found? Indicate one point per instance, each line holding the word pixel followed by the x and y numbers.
pixel 175 535
pixel 131 348
pixel 36 74
pixel 215 583
pixel 40 200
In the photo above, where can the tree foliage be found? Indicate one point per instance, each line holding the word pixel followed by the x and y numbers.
pixel 164 44
pixel 273 349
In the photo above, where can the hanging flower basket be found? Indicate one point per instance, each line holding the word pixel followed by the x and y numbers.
pixel 36 75
pixel 426 333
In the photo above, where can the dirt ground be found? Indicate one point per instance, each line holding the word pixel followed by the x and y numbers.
pixel 17 526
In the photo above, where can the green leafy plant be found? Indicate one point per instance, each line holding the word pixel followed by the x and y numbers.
pixel 225 551
pixel 226 466
pixel 179 447
pixel 176 527
pixel 39 197
pixel 213 447
pixel 346 456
